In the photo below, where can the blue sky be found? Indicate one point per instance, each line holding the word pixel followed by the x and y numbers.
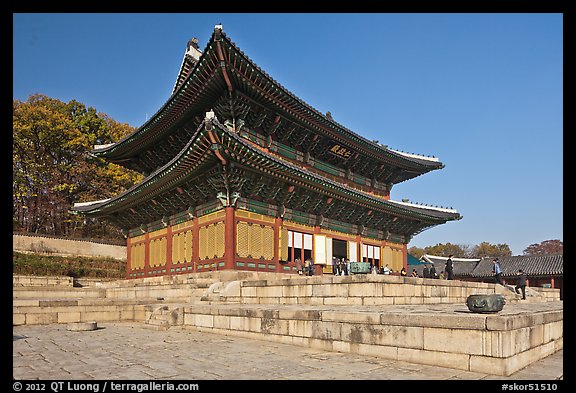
pixel 482 92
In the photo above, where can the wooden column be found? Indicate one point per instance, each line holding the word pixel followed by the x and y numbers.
pixel 229 238
pixel 405 256
pixel 168 249
pixel 146 254
pixel 128 256
pixel 316 232
pixel 195 244
pixel 358 248
pixel 277 225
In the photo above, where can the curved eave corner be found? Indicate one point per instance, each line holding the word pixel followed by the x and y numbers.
pixel 436 213
pixel 447 214
pixel 88 207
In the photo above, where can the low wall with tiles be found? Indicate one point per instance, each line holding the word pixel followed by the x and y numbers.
pixel 492 344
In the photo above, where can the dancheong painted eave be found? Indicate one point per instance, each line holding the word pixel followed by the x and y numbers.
pixel 215 145
pixel 221 68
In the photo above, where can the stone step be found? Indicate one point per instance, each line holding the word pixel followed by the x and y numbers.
pixel 158 322
pixel 53 292
pixel 156 325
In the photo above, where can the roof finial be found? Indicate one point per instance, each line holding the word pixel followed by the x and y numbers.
pixel 218 26
pixel 193 43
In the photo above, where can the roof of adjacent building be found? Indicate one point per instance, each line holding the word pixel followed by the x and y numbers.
pixel 532 265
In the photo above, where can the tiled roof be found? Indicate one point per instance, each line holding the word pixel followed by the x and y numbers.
pixel 462 266
pixel 532 265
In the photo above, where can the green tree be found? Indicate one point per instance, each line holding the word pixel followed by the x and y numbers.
pixel 52 168
pixel 486 249
pixel 545 247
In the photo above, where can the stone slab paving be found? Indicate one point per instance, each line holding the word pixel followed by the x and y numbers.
pixel 129 351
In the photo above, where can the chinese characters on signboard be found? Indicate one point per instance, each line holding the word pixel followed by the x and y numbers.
pixel 341 151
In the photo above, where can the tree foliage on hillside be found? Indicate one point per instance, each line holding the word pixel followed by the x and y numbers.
pixel 486 249
pixel 52 168
pixel 458 250
pixel 483 249
pixel 545 247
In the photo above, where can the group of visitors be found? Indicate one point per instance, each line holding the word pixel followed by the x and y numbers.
pixel 307 269
pixel 520 284
pixel 340 266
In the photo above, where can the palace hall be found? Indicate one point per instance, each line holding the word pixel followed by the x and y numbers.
pixel 240 174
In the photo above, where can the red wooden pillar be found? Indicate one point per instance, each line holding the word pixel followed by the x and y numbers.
pixel 195 244
pixel 405 256
pixel 318 269
pixel 277 225
pixel 551 282
pixel 128 256
pixel 229 238
pixel 168 249
pixel 146 254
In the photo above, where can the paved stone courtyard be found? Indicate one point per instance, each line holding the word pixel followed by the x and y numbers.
pixel 130 351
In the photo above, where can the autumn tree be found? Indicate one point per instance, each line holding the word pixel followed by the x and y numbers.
pixel 416 252
pixel 458 250
pixel 486 249
pixel 545 247
pixel 52 168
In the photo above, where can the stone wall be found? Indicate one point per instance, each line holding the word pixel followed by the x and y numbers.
pixel 66 247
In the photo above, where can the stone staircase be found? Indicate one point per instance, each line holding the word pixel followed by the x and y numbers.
pixel 123 300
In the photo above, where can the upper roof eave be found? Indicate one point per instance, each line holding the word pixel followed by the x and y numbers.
pixel 430 213
pixel 122 147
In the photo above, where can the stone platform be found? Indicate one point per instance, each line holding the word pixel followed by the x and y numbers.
pixel 421 321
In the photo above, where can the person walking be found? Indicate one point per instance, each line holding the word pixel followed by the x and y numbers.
pixel 497 270
pixel 449 267
pixel 521 283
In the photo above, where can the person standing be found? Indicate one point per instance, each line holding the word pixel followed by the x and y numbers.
pixel 450 267
pixel 426 272
pixel 299 266
pixel 335 263
pixel 521 283
pixel 497 270
pixel 432 271
pixel 386 269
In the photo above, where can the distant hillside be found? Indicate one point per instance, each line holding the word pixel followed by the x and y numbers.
pixel 78 267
